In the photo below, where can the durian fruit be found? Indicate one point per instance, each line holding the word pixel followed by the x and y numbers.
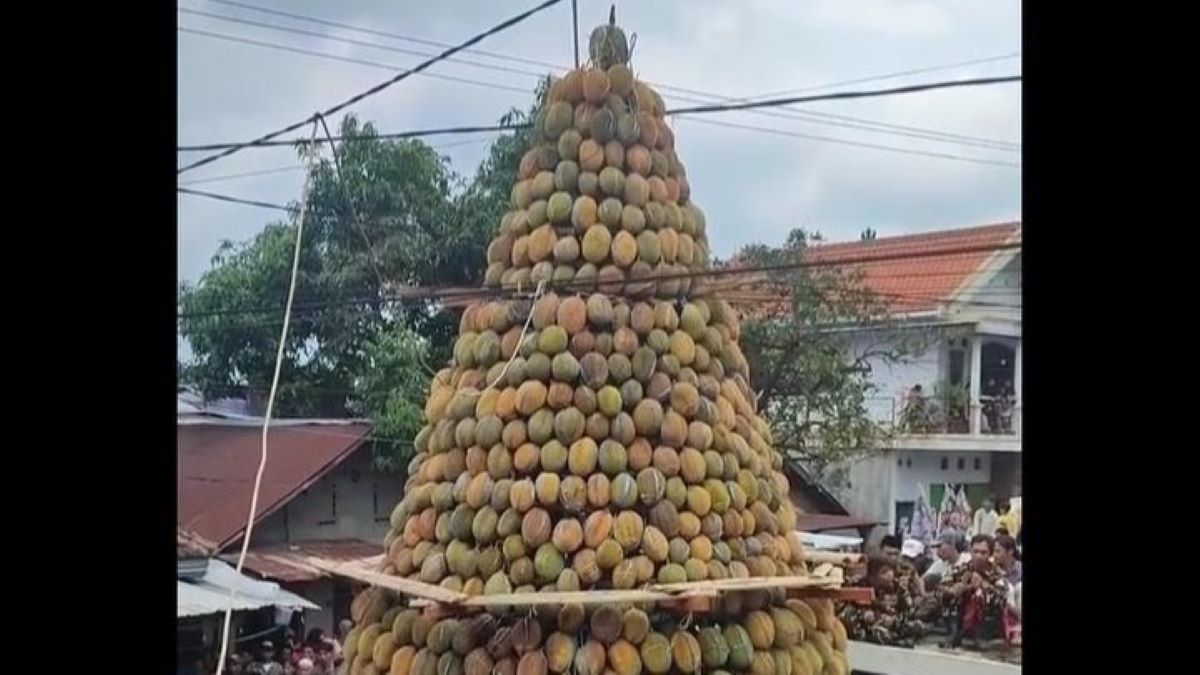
pixel 593 639
pixel 600 435
pixel 636 408
pixel 601 195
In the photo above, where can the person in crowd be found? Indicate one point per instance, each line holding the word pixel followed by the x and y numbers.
pixel 308 651
pixel 1005 554
pixel 264 660
pixel 343 629
pixel 915 415
pixel 908 582
pixel 890 618
pixel 326 658
pixel 913 551
pixel 947 556
pixel 1008 519
pixel 314 636
pixel 1005 405
pixel 986 519
pixel 285 659
pixel 304 667
pixel 973 593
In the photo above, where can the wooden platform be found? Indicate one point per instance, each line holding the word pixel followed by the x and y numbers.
pixel 696 596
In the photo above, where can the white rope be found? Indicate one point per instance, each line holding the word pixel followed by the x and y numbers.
pixel 537 294
pixel 262 462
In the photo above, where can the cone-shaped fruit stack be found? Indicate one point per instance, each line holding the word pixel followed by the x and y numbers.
pixel 603 435
pixel 602 201
pixel 761 635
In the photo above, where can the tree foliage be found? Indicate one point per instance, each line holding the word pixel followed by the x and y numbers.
pixel 811 366
pixel 394 215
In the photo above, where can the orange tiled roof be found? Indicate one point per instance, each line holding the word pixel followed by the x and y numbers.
pixel 919 270
pixel 918 283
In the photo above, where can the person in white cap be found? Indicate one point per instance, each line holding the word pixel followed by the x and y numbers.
pixel 304 667
pixel 914 552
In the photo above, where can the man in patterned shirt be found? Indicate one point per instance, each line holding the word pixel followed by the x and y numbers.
pixel 973 593
pixel 889 619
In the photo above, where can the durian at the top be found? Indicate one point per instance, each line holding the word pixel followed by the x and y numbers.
pixel 602 201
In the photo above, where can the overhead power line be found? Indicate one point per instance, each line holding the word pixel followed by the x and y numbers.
pixel 391 136
pixel 887 76
pixel 844 95
pixel 504 25
pixel 297 167
pixel 245 174
pixel 234 200
pixel 685 111
pixel 346 59
pixel 352 41
pixel 423 294
pixel 808 116
pixel 371 31
pixel 859 144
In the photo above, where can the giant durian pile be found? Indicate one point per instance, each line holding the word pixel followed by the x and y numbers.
pixel 600 434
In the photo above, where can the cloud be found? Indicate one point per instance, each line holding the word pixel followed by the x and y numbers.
pixel 753 186
pixel 891 18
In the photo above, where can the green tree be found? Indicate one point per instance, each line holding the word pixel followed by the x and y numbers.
pixel 394 216
pixel 811 366
pixel 393 204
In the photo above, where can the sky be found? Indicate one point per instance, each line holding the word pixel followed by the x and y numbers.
pixel 754 186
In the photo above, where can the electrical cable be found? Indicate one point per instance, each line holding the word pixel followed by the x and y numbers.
pixel 502 26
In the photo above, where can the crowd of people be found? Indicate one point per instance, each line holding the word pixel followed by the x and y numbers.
pixel 317 654
pixel 963 590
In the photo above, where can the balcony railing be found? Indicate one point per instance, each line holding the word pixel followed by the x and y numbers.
pixel 927 415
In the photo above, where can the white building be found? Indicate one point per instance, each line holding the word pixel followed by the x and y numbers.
pixel 962 289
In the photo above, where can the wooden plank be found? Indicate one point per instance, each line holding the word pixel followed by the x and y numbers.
pixel 567 598
pixel 833 557
pixel 399 584
pixel 676 594
pixel 746 584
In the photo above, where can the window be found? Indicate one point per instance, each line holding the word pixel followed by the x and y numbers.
pixel 899 462
pixel 978 464
pixel 381 507
pixel 958 359
pixel 961 464
pixel 945 463
pixel 331 518
pixel 908 462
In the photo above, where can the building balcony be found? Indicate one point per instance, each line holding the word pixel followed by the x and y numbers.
pixel 950 423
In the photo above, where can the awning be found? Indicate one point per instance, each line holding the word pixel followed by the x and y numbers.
pixel 829 542
pixel 210 593
pixel 820 522
pixel 288 562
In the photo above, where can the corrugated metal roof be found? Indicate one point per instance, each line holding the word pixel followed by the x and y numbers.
pixel 211 593
pixel 217 463
pixel 199 599
pixel 288 564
